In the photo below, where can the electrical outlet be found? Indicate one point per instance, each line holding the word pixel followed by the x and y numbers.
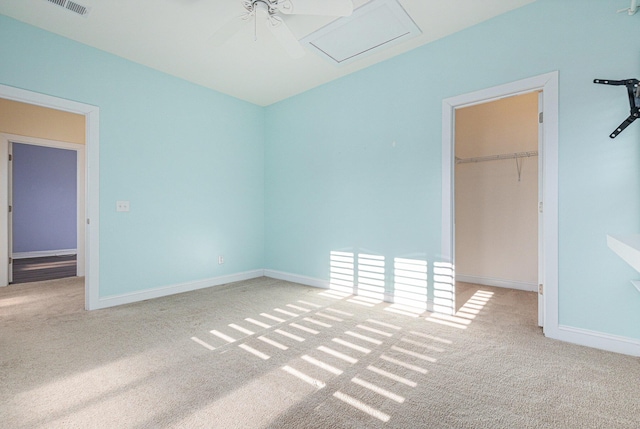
pixel 122 206
pixel 220 260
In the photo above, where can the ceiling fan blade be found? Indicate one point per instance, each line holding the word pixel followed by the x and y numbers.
pixel 286 38
pixel 316 7
pixel 228 29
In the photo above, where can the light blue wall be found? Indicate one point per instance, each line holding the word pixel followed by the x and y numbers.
pixel 44 198
pixel 334 180
pixel 189 159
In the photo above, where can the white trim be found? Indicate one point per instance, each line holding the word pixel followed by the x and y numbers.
pixel 295 278
pixel 44 254
pixel 92 179
pixel 548 83
pixel 599 340
pixel 80 187
pixel 36 141
pixel 489 281
pixel 128 298
pixel 540 198
pixel 4 215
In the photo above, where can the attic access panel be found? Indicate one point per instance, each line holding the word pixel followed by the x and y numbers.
pixel 375 26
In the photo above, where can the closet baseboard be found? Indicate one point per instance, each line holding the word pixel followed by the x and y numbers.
pixel 489 281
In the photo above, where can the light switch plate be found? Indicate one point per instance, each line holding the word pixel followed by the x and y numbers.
pixel 122 206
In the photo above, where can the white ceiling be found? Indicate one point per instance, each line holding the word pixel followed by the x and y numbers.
pixel 174 36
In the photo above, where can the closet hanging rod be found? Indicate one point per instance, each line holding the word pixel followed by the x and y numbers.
pixel 497 157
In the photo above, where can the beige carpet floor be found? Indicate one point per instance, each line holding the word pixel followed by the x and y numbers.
pixel 270 354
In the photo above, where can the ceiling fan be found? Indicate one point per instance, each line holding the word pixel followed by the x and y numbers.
pixel 270 13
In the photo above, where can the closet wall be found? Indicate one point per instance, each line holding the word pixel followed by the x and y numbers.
pixel 496 206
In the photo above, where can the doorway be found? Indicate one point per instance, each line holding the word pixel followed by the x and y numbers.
pixel 496 194
pixel 90 217
pixel 547 85
pixel 46 196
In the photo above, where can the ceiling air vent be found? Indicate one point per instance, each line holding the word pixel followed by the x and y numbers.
pixel 72 6
pixel 377 25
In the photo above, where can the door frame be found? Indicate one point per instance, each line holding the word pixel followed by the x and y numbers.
pixel 91 222
pixel 548 84
pixel 9 140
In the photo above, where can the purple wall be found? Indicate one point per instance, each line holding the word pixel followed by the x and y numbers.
pixel 44 198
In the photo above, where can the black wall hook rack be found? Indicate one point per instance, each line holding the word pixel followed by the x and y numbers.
pixel 633 90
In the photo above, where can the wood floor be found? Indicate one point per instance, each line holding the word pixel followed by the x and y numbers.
pixel 38 269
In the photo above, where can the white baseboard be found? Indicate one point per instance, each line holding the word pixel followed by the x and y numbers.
pixel 43 253
pixel 598 340
pixel 112 301
pixel 488 281
pixel 295 278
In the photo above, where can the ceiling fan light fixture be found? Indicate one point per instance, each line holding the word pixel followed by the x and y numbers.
pixel 260 7
pixel 270 10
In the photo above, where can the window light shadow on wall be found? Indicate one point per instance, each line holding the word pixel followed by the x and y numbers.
pixel 363 278
pixel 366 276
pixel 342 273
pixel 410 284
pixel 371 276
pixel 443 288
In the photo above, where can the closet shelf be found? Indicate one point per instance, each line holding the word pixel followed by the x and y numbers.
pixel 497 157
pixel 628 248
